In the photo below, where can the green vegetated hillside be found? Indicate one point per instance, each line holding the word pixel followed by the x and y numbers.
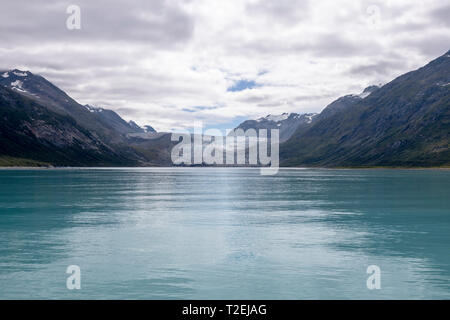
pixel 404 123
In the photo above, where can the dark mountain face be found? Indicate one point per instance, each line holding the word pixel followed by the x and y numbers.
pixel 346 102
pixel 66 132
pixel 287 123
pixel 103 123
pixel 135 127
pixel 404 123
pixel 138 129
pixel 112 120
pixel 42 91
pixel 29 130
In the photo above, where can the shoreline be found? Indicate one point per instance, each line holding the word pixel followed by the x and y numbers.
pixel 222 167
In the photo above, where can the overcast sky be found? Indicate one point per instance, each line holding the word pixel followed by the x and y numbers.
pixel 168 63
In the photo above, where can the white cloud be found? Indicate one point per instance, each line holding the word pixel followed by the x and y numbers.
pixel 155 61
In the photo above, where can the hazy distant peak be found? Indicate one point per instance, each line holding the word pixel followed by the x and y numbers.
pixel 284 116
pixel 309 116
pixel 275 118
pixel 286 122
pixel 134 125
pixel 148 128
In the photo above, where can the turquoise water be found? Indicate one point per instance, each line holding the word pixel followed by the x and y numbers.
pixel 204 233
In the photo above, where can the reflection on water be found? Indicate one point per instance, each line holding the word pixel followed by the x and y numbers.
pixel 204 233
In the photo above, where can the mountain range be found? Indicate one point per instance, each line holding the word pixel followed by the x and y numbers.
pixel 40 122
pixel 287 123
pixel 405 122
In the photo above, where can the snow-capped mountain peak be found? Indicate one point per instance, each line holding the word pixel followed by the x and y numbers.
pixel 16 73
pixel 284 116
pixel 18 81
pixel 134 125
pixel 309 116
pixel 146 128
pixel 276 118
pixel 286 122
pixel 20 73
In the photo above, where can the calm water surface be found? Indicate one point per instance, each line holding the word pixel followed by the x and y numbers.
pixel 204 233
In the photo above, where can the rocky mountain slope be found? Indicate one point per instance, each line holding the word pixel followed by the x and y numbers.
pixel 404 123
pixel 29 130
pixel 41 122
pixel 287 123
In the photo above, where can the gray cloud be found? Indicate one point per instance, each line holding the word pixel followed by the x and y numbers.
pixel 314 97
pixel 254 99
pixel 322 45
pixel 429 45
pixel 158 23
pixel 442 15
pixel 286 12
pixel 378 68
pixel 149 60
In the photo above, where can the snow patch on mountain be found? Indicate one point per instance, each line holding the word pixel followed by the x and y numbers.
pixel 285 116
pixel 366 92
pixel 310 116
pixel 134 125
pixel 5 75
pixel 20 74
pixel 275 118
pixel 362 95
pixel 17 85
pixel 92 108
